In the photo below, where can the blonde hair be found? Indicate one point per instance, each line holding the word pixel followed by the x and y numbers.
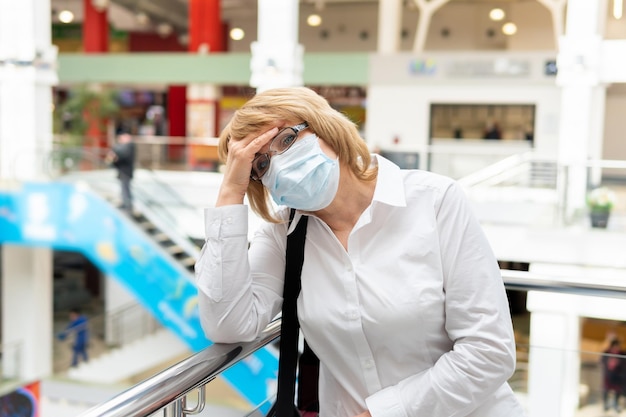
pixel 296 105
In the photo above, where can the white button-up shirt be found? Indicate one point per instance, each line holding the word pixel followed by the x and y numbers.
pixel 411 320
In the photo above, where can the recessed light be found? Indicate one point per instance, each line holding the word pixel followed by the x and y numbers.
pixel 66 16
pixel 509 28
pixel 237 34
pixel 314 20
pixel 496 14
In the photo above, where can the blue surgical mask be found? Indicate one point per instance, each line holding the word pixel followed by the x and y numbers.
pixel 304 177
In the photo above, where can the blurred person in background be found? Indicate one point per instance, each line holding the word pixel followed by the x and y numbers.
pixel 78 329
pixel 613 374
pixel 122 157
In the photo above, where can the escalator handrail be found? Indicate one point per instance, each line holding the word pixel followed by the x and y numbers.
pixel 156 392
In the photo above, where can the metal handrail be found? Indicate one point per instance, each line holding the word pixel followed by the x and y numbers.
pixel 168 389
pixel 173 384
pixel 528 281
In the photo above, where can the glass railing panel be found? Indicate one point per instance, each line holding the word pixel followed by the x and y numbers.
pixel 582 377
pixel 164 392
pixel 459 158
pixel 111 330
pixel 157 199
pixel 524 189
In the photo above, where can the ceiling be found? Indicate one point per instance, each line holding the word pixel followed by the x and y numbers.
pixel 123 13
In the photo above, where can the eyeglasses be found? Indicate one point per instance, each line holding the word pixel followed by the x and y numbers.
pixel 278 145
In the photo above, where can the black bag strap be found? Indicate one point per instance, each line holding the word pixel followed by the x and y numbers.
pixel 308 377
pixel 290 328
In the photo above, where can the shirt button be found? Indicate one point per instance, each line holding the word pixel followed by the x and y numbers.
pixel 229 220
pixel 353 314
pixel 368 363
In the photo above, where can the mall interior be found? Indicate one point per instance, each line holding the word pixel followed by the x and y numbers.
pixel 520 101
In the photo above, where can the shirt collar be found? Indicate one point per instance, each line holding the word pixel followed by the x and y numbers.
pixel 389 184
pixel 389 187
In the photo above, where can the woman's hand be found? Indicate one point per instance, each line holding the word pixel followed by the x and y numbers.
pixel 239 165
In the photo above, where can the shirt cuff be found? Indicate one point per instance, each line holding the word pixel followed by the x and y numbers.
pixel 385 403
pixel 226 221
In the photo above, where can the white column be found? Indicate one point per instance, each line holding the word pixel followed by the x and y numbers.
pixel 201 109
pixel 553 360
pixel 579 66
pixel 389 17
pixel 427 10
pixel 26 312
pixel 27 72
pixel 277 57
pixel 555 336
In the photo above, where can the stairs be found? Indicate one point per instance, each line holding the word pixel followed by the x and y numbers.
pixel 132 359
pixel 186 256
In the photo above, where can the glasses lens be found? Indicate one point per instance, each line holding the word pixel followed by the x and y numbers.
pixel 260 164
pixel 283 140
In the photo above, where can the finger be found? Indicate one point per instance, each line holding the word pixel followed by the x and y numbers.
pixel 255 143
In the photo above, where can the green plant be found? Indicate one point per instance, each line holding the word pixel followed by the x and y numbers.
pixel 601 199
pixel 86 111
pixel 86 106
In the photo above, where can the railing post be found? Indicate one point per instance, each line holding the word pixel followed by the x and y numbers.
pixel 199 404
pixel 178 407
pixel 174 409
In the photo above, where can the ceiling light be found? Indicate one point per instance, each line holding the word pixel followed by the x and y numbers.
pixel 496 14
pixel 237 34
pixel 142 18
pixel 618 8
pixel 164 29
pixel 314 20
pixel 65 16
pixel 509 28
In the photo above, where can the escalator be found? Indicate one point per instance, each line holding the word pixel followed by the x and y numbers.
pixel 145 252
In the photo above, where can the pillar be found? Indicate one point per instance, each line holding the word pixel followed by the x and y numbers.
pixel 389 18
pixel 582 98
pixel 27 73
pixel 26 313
pixel 206 35
pixel 95 27
pixel 205 26
pixel 553 359
pixel 177 119
pixel 95 40
pixel 277 57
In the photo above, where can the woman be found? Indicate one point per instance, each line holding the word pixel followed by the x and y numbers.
pixel 402 298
